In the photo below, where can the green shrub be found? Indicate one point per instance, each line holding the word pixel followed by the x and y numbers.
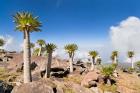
pixel 131 70
pixel 138 64
pixel 114 65
pixel 107 70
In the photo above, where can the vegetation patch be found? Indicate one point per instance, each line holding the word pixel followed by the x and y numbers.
pixel 6 76
pixel 68 90
pixel 75 79
pixel 105 87
pixel 66 87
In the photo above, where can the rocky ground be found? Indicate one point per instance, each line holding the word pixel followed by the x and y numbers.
pixel 82 80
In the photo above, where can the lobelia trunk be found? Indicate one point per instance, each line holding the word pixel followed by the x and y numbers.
pixel 27 58
pixel 92 64
pixel 115 71
pixel 71 64
pixel 108 82
pixel 132 62
pixel 32 51
pixel 48 67
pixel 73 57
pixel 39 54
pixel 115 59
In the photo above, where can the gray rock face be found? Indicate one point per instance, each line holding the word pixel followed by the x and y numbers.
pixel 92 84
pixel 90 76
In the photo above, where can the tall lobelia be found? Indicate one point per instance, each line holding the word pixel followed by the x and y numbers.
pixel 131 55
pixel 36 51
pixel 93 55
pixel 70 49
pixel 26 23
pixel 50 48
pixel 114 56
pixel 42 44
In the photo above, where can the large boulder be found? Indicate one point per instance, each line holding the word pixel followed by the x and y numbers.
pixel 71 87
pixel 79 89
pixel 90 76
pixel 38 63
pixel 41 86
pixel 51 86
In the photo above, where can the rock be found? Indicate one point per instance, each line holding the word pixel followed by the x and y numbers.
pixel 5 88
pixel 90 76
pixel 56 69
pixel 79 89
pixel 33 65
pixel 75 88
pixel 92 84
pixel 42 86
pixel 19 67
pixel 139 75
pixel 59 90
pixel 11 78
pixel 95 89
pixel 59 74
pixel 17 83
pixel 100 79
pixel 84 71
pixel 50 86
pixel 115 74
pixel 36 76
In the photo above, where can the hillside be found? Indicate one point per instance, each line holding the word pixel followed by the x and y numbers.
pixel 81 80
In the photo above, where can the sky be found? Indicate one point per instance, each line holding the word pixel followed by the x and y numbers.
pixel 92 24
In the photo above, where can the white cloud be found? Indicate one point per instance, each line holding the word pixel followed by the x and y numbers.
pixel 126 36
pixel 11 43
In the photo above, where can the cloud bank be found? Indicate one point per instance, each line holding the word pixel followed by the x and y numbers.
pixel 125 36
pixel 11 43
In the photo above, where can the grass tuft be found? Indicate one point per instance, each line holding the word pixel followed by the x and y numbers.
pixel 75 79
pixel 105 87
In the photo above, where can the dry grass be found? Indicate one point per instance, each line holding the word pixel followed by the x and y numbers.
pixel 67 90
pixel 6 76
pixel 111 88
pixel 130 81
pixel 65 86
pixel 76 79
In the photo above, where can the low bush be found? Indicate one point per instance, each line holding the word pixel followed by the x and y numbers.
pixel 107 71
pixel 130 70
